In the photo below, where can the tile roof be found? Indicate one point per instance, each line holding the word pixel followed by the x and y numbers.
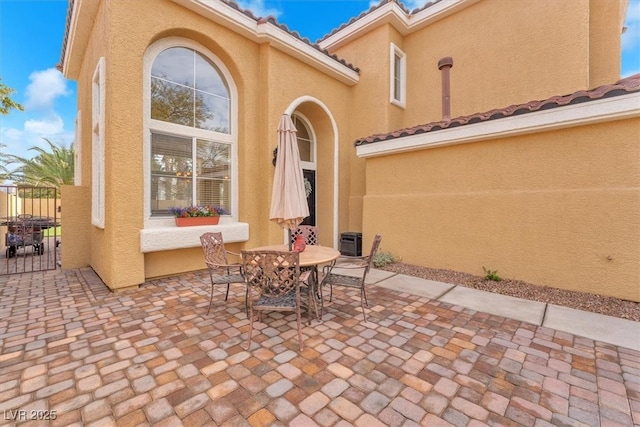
pixel 627 85
pixel 246 12
pixel 377 6
pixel 272 20
pixel 65 38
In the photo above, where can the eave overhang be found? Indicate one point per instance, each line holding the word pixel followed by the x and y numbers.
pixel 266 31
pixel 80 18
pixel 392 13
pixel 582 114
pixel 82 15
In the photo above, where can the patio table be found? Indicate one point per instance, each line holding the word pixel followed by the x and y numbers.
pixel 312 256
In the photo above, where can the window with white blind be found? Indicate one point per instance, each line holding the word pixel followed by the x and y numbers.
pixel 193 153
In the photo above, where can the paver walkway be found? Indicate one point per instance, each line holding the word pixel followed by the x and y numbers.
pixel 150 356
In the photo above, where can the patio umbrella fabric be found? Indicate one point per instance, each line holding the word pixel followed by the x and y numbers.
pixel 288 198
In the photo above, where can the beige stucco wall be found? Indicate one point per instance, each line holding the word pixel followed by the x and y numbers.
pixel 165 263
pixel 371 111
pixel 269 82
pixel 553 208
pixel 521 51
pixel 76 249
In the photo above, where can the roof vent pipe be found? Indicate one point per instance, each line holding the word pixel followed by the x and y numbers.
pixel 445 65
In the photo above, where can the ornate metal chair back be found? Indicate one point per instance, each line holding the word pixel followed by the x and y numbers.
pixel 271 274
pixel 309 232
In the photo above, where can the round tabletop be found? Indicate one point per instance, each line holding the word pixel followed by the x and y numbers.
pixel 312 254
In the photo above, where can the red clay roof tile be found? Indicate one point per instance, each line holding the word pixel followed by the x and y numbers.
pixel 621 87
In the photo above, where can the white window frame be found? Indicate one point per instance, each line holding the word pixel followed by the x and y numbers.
pixel 97 145
pixel 77 151
pixel 312 165
pixel 170 128
pixel 398 99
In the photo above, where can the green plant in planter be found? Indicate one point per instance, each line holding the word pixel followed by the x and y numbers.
pixel 491 275
pixel 197 211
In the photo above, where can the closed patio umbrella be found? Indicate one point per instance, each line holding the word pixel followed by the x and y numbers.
pixel 288 198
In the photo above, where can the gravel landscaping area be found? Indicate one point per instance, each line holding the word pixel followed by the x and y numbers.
pixel 515 288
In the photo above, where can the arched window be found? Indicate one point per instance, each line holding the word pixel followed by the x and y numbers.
pixel 306 141
pixel 192 147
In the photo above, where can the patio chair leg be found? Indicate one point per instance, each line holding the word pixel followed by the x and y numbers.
pixel 227 295
pixel 311 299
pixel 210 300
pixel 299 316
pixel 250 330
pixel 364 301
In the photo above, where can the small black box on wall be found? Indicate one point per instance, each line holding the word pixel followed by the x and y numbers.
pixel 351 244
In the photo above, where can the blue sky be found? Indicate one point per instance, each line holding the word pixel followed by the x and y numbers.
pixel 31 33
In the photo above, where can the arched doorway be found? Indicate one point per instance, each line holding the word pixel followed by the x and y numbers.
pixel 318 144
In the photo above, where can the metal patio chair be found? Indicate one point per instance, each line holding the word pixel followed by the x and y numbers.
pixel 309 232
pixel 273 281
pixel 355 271
pixel 220 270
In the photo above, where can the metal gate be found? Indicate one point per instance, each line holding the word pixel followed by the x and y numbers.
pixel 29 229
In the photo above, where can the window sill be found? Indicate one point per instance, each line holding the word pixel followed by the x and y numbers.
pixel 172 237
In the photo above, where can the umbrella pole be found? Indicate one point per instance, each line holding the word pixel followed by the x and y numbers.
pixel 289 238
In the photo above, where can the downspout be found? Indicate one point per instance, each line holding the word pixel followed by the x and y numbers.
pixel 445 65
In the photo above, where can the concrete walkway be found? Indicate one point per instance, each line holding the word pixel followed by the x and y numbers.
pixel 613 330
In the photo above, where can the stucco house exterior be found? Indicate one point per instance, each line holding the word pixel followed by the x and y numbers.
pixel 183 106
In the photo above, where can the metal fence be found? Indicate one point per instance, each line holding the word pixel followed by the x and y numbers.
pixel 29 229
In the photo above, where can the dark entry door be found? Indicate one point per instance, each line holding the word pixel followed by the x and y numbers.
pixel 310 175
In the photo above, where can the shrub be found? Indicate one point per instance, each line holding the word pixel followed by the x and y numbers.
pixel 383 258
pixel 491 275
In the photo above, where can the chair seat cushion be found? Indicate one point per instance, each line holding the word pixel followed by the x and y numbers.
pixel 287 300
pixel 227 278
pixel 341 279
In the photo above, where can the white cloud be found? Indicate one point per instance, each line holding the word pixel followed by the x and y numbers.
pixel 258 8
pixel 19 141
pixel 44 88
pixel 408 4
pixel 50 126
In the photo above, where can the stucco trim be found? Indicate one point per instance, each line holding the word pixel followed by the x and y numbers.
pixel 607 109
pixel 393 52
pixel 80 19
pixel 77 151
pixel 391 13
pixel 264 32
pixel 98 131
pixel 169 238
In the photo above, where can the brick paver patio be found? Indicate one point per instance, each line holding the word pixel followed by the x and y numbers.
pixel 71 349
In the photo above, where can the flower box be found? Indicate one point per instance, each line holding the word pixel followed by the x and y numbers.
pixel 197 220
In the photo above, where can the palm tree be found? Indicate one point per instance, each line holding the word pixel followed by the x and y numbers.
pixel 47 169
pixel 6 103
pixel 3 162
